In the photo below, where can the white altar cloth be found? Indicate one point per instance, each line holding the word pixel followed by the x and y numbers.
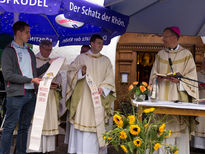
pixel 178 105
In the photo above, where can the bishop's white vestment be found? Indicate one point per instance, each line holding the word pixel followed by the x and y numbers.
pixel 185 91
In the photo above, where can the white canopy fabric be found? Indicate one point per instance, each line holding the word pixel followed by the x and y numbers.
pixel 152 16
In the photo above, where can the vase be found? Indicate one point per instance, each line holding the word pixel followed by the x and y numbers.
pixel 139 98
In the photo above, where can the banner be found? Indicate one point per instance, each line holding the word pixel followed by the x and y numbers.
pixel 87 12
pixel 41 102
pixel 83 39
pixel 49 7
pixel 36 39
pixel 71 22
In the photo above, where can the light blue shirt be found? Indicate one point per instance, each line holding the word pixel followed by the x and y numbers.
pixel 24 60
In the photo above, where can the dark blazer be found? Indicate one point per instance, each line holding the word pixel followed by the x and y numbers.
pixel 14 80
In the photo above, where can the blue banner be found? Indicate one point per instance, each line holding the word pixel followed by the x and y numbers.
pixel 49 7
pixel 84 11
pixel 47 21
pixel 36 39
pixel 68 40
pixel 82 39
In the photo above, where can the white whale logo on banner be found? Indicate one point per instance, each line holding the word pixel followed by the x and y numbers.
pixel 61 20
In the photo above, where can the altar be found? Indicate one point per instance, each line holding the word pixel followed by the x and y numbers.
pixel 165 107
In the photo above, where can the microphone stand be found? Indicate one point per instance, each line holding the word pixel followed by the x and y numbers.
pixel 179 76
pixel 182 77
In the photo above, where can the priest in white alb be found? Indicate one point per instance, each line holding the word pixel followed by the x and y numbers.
pixel 175 59
pixel 50 126
pixel 91 90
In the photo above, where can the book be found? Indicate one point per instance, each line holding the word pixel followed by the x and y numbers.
pixel 54 85
pixel 168 75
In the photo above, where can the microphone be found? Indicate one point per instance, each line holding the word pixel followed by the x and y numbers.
pixel 170 64
pixel 176 75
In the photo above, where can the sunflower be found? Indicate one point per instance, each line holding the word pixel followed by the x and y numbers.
pixel 157 146
pixel 170 132
pixel 161 128
pixel 149 110
pixel 137 142
pixel 134 129
pixel 109 138
pixel 142 88
pixel 124 148
pixel 135 83
pixel 145 84
pixel 117 118
pixel 123 135
pixel 176 152
pixel 131 119
pixel 130 87
pixel 120 124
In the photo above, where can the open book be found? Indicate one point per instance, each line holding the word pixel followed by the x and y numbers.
pixel 54 85
pixel 168 75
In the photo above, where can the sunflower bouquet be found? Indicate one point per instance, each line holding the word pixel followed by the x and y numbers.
pixel 140 137
pixel 140 90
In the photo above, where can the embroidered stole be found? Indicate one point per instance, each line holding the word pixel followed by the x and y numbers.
pixel 41 102
pixel 98 109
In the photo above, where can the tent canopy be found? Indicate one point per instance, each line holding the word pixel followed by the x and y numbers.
pixel 152 16
pixel 71 22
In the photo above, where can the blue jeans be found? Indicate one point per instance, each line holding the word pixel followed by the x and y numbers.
pixel 19 109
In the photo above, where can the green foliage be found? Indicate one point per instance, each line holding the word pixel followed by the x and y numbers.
pixel 135 136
